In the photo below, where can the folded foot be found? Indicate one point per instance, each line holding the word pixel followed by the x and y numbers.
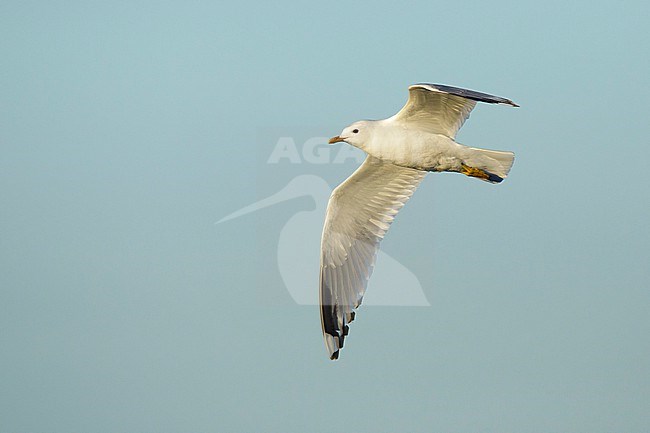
pixel 481 174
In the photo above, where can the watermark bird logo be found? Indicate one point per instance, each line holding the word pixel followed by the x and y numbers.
pixel 298 248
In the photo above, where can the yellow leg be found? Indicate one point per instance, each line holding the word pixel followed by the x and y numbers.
pixel 474 172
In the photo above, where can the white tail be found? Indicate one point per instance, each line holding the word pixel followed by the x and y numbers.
pixel 489 165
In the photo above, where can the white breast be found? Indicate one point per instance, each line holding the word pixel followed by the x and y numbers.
pixel 412 148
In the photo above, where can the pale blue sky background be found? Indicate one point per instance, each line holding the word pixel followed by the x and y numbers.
pixel 128 128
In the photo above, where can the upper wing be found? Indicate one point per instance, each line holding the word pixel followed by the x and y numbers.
pixel 442 109
pixel 359 213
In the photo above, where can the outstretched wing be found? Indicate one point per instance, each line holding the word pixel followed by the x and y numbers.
pixel 442 109
pixel 359 213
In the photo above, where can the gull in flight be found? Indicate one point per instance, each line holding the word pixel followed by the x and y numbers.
pixel 400 150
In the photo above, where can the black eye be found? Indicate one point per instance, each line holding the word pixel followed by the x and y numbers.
pixel 355 131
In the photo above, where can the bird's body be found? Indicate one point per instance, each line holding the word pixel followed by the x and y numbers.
pixel 401 150
pixel 413 148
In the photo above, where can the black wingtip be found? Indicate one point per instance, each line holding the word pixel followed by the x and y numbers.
pixel 493 178
pixel 465 93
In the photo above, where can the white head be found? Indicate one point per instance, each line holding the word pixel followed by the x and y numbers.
pixel 358 134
